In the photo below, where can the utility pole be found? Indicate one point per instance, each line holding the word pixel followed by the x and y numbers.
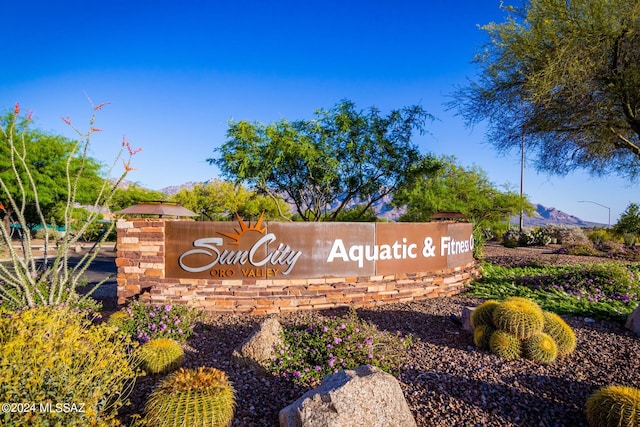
pixel 521 181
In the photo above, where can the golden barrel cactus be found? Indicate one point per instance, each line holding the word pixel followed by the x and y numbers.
pixel 540 348
pixel 561 333
pixel 519 316
pixel 505 345
pixel 192 397
pixel 483 314
pixel 614 405
pixel 160 356
pixel 482 335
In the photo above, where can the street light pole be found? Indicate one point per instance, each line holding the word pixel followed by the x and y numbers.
pixel 599 204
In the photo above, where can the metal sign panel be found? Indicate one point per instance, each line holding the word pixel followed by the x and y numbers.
pixel 216 250
pixel 457 246
pixel 326 248
pixel 409 247
pixel 278 250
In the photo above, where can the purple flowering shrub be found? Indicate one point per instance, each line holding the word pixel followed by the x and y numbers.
pixel 593 282
pixel 312 351
pixel 147 321
pixel 620 251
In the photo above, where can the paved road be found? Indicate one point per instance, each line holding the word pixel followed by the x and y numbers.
pixel 100 268
pixel 103 266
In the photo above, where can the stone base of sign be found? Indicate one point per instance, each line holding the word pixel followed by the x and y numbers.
pixel 140 264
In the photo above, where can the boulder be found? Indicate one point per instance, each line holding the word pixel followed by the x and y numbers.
pixel 258 350
pixel 364 397
pixel 466 318
pixel 633 321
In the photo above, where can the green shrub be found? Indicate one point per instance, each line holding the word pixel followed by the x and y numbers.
pixel 540 236
pixel 118 319
pixel 497 230
pixel 614 405
pixel 160 356
pixel 629 239
pixel 611 249
pixel 603 291
pixel 312 351
pixel 96 231
pixel 479 241
pixel 40 233
pixel 568 235
pixel 511 238
pixel 598 282
pixel 147 321
pixel 55 355
pixel 192 397
pixel 600 236
pixel 582 249
pixel 629 222
pixel 526 237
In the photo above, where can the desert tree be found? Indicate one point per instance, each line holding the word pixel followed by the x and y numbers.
pixel 222 200
pixel 467 190
pixel 629 222
pixel 322 166
pixel 564 76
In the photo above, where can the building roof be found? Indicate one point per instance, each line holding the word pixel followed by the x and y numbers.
pixel 157 208
pixel 448 216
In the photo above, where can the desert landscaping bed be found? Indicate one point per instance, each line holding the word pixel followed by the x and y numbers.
pixel 446 380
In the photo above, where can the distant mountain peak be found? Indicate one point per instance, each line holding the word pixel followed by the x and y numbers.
pixel 543 215
pixel 171 190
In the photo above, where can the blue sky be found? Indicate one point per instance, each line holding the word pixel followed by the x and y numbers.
pixel 174 73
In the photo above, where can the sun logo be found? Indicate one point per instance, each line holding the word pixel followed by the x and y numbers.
pixel 244 227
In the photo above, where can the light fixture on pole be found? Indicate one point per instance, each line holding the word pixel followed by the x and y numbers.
pixel 599 204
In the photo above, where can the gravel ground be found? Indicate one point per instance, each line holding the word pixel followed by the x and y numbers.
pixel 446 380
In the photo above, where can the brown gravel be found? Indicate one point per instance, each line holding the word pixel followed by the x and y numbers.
pixel 446 380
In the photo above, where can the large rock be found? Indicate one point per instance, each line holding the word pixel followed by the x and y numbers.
pixel 364 397
pixel 258 350
pixel 633 321
pixel 466 318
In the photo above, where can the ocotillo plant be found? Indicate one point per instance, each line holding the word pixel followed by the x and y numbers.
pixel 25 281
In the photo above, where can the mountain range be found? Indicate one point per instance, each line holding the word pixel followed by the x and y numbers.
pixel 542 215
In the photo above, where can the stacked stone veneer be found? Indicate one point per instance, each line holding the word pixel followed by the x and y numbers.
pixel 141 272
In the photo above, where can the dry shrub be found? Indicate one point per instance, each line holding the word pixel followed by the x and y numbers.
pixel 54 355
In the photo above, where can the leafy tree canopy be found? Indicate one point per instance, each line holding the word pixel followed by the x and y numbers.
pixel 563 75
pixel 221 200
pixel 322 165
pixel 358 213
pixel 465 190
pixel 46 157
pixel 123 197
pixel 629 220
